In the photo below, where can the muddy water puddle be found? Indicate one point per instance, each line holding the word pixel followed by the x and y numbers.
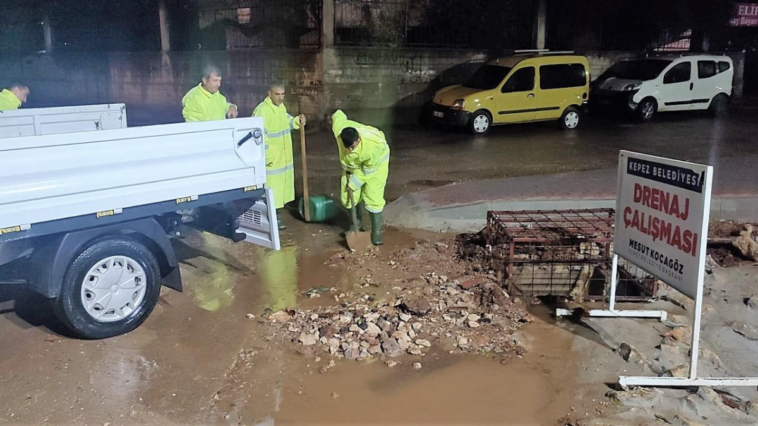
pixel 448 389
pixel 199 359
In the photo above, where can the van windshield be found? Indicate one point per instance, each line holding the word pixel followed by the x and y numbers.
pixel 487 77
pixel 640 69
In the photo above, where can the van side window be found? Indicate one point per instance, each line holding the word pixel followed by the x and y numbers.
pixel 680 73
pixel 723 66
pixel 563 75
pixel 706 69
pixel 521 81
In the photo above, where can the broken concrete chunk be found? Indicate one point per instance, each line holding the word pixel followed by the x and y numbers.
pixel 373 330
pixel 467 283
pixel 423 342
pixel 746 244
pixel 391 348
pixel 404 344
pixel 416 306
pixel 281 316
pixel 351 353
pixel 417 366
pixel 327 331
pixel 307 339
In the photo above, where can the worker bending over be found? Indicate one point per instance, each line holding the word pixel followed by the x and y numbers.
pixel 365 158
pixel 13 97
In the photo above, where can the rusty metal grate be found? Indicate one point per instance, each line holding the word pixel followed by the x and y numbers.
pixel 562 253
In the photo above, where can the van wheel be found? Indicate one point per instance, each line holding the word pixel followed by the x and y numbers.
pixel 109 289
pixel 719 107
pixel 571 118
pixel 480 122
pixel 646 109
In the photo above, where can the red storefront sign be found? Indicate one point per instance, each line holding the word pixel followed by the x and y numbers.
pixel 745 15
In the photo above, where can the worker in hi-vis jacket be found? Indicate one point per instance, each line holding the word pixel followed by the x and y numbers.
pixel 13 97
pixel 365 158
pixel 205 102
pixel 278 124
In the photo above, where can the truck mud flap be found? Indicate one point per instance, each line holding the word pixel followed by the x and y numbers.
pixel 259 223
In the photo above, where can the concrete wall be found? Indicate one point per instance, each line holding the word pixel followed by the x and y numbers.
pixel 385 78
pixel 152 84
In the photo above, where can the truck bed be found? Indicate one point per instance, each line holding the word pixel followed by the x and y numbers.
pixel 48 178
pixel 48 121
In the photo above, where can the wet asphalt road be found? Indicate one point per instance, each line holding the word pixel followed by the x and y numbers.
pixel 423 158
pixel 170 369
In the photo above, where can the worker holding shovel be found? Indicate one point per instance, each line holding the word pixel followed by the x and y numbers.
pixel 364 156
pixel 280 170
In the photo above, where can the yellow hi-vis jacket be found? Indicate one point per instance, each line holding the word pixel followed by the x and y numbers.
pixel 8 101
pixel 280 170
pixel 201 105
pixel 368 163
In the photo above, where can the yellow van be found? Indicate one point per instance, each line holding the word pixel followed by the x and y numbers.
pixel 517 89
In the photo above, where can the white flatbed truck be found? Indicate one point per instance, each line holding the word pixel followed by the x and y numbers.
pixel 86 218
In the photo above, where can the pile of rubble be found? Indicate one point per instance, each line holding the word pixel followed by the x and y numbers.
pixel 469 314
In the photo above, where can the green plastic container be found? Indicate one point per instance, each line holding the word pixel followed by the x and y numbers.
pixel 323 208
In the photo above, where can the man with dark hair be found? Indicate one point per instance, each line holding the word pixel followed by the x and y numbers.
pixel 365 158
pixel 204 102
pixel 278 123
pixel 14 96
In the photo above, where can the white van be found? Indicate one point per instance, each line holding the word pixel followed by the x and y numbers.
pixel 649 85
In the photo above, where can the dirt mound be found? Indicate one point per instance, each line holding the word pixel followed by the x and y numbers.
pixel 406 303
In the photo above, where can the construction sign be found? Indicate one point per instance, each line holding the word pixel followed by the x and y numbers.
pixel 662 214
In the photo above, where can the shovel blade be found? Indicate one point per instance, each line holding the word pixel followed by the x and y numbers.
pixel 358 241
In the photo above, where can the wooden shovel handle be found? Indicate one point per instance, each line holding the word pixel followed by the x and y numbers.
pixel 306 196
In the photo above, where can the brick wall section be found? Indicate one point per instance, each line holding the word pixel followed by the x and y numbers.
pixel 152 84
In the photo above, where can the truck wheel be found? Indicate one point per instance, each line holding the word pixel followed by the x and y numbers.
pixel 480 122
pixel 109 289
pixel 719 107
pixel 646 109
pixel 570 118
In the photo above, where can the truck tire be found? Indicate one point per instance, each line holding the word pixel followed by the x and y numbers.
pixel 109 289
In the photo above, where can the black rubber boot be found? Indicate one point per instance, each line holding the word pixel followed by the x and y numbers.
pixel 376 228
pixel 279 221
pixel 359 212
